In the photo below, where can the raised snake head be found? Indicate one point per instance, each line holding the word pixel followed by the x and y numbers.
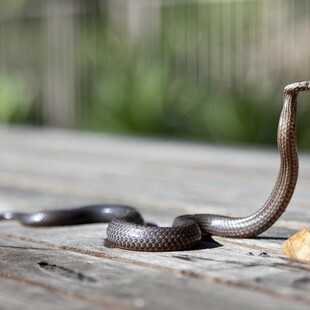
pixel 297 87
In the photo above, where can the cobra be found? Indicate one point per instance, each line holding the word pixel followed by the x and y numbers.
pixel 127 230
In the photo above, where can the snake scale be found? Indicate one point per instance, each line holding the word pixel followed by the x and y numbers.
pixel 126 227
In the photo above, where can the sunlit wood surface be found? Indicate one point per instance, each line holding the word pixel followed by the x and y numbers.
pixel 70 268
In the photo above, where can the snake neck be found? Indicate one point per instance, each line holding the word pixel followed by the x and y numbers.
pixel 285 185
pixel 288 174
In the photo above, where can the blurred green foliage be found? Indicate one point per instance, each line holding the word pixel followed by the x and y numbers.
pixel 16 99
pixel 150 89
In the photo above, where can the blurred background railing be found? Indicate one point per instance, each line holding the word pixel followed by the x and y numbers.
pixel 195 69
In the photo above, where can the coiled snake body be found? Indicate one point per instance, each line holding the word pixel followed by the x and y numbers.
pixel 127 230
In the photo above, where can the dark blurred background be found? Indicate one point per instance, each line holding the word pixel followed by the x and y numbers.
pixel 203 70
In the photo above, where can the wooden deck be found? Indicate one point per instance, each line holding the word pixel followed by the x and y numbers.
pixel 70 268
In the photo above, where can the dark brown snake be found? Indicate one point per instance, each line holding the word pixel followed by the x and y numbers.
pixel 127 230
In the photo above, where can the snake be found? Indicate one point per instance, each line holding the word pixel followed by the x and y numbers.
pixel 127 229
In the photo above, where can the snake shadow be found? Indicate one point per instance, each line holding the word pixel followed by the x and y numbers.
pixel 207 242
pixel 270 238
pixel 276 233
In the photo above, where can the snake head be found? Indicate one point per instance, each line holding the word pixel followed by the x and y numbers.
pixel 297 87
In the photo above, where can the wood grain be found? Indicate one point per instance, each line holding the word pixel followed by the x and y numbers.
pixel 69 267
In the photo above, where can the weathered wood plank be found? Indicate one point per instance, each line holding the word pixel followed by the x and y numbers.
pixel 18 294
pixel 232 263
pixel 54 169
pixel 127 285
pixel 200 185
